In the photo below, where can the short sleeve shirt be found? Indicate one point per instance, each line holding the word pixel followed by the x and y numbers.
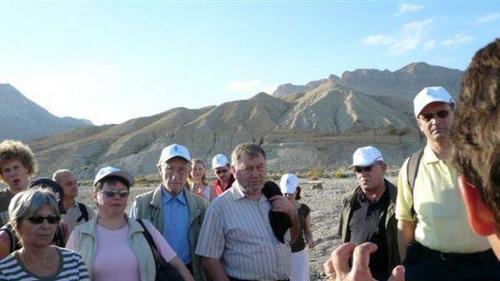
pixel 442 223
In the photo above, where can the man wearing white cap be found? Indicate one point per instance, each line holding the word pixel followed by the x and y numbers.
pixel 368 214
pixel 175 211
pixel 225 179
pixel 435 241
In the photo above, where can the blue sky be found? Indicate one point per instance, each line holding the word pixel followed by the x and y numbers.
pixel 110 61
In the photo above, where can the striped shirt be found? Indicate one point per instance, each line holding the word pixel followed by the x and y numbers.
pixel 71 268
pixel 237 231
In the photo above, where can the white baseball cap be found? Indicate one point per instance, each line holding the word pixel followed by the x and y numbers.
pixel 289 183
pixel 112 171
pixel 366 156
pixel 429 95
pixel 174 150
pixel 219 161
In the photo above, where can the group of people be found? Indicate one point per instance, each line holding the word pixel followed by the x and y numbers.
pixel 240 228
pixel 437 223
pixel 246 228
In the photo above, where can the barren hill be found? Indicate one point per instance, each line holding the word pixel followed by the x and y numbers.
pixel 318 127
pixel 20 118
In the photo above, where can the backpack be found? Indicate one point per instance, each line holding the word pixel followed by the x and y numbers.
pixel 85 213
pixel 412 171
pixel 59 237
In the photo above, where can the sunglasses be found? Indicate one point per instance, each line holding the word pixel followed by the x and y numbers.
pixel 40 219
pixel 221 171
pixel 441 114
pixel 359 169
pixel 112 192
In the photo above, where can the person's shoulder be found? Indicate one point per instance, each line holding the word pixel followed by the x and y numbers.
pixel 146 196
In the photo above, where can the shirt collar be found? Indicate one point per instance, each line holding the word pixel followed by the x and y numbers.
pixel 238 194
pixel 429 155
pixel 167 197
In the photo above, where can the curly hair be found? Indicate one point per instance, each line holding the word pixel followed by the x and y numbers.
pixel 16 150
pixel 476 128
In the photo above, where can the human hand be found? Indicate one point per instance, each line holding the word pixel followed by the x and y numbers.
pixel 281 204
pixel 337 265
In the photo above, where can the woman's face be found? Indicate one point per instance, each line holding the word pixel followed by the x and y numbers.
pixel 39 230
pixel 111 200
pixel 198 171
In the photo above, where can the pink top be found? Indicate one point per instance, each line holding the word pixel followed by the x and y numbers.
pixel 114 259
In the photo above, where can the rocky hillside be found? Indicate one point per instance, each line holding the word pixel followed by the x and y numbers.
pixel 317 126
pixel 23 119
pixel 404 83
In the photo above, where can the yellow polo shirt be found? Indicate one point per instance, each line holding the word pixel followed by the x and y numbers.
pixel 441 217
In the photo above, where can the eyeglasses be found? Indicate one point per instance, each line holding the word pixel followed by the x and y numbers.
pixel 441 114
pixel 40 219
pixel 221 171
pixel 112 192
pixel 359 169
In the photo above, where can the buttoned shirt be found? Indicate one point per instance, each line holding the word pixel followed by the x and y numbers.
pixel 176 223
pixel 442 223
pixel 237 231
pixel 72 215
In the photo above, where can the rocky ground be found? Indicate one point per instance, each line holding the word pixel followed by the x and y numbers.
pixel 325 204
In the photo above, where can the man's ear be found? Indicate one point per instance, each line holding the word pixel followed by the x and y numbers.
pixel 481 219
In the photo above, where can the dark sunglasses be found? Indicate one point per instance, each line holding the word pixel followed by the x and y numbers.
pixel 112 192
pixel 221 171
pixel 40 219
pixel 359 169
pixel 441 114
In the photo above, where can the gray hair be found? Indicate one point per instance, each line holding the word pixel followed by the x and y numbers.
pixel 28 203
pixel 249 149
pixel 57 174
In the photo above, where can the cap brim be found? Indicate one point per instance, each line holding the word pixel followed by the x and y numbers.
pixel 121 174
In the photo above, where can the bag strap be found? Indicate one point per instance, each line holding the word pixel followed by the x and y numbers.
pixel 152 245
pixel 411 172
pixel 83 210
pixel 7 228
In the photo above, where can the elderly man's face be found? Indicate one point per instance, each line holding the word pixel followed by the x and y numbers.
pixel 250 173
pixel 371 178
pixel 435 121
pixel 174 174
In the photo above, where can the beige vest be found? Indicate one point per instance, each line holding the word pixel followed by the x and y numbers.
pixel 86 246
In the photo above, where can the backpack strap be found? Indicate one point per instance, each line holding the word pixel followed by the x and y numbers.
pixel 83 210
pixel 9 229
pixel 411 172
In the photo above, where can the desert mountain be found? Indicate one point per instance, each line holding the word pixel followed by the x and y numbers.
pixel 318 126
pixel 404 83
pixel 23 119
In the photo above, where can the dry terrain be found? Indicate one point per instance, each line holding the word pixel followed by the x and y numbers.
pixel 326 207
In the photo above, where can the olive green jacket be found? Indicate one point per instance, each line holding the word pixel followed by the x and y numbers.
pixel 391 223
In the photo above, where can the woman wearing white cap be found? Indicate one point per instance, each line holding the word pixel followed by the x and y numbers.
pixel 289 185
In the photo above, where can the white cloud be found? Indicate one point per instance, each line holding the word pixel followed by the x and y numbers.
pixel 249 87
pixel 458 39
pixel 407 8
pixel 410 36
pixel 380 39
pixel 488 18
pixel 429 44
